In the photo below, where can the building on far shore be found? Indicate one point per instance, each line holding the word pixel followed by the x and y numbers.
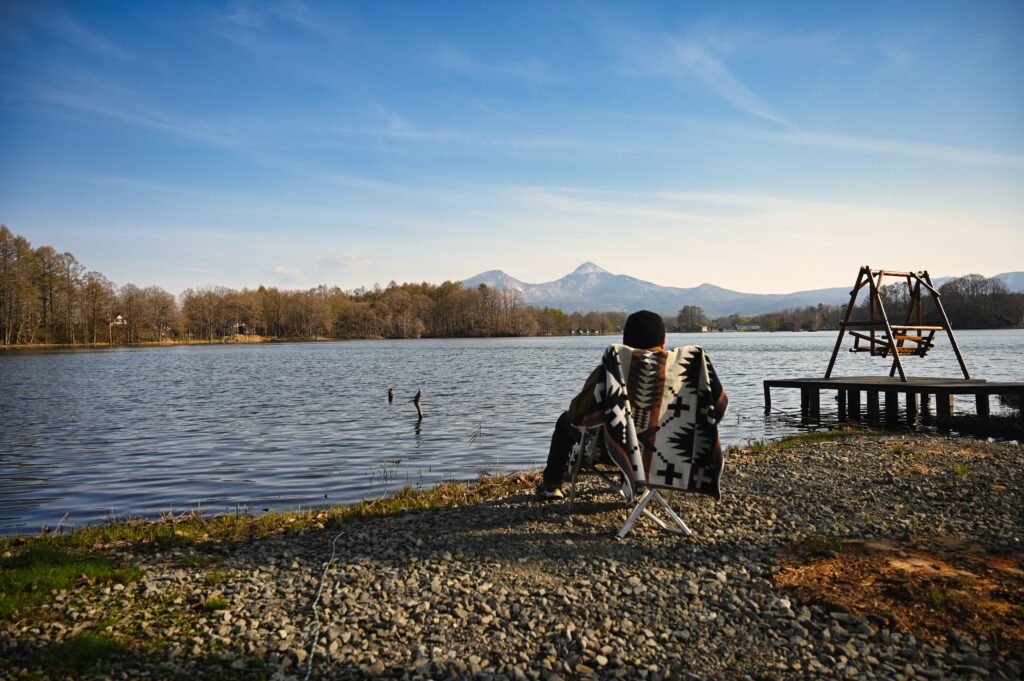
pixel 727 326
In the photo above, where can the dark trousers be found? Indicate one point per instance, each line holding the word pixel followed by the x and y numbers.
pixel 562 441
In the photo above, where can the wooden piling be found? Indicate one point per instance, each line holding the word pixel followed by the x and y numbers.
pixel 911 407
pixel 810 403
pixel 892 406
pixel 943 407
pixel 872 400
pixel 920 393
pixel 981 405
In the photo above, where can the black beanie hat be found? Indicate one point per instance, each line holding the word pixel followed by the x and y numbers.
pixel 644 329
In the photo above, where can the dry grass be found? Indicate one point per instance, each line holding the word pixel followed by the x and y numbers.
pixel 927 585
pixel 190 529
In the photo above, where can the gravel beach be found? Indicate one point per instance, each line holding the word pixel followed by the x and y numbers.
pixel 863 556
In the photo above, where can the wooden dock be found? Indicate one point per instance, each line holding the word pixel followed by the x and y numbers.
pixel 885 393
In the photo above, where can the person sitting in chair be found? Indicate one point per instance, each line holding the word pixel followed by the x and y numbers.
pixel 643 330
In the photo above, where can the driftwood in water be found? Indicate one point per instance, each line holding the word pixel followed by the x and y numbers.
pixel 416 401
pixel 391 396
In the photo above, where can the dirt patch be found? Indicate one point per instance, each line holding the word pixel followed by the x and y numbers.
pixel 930 586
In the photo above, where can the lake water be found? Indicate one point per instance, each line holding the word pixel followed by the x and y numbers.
pixel 140 431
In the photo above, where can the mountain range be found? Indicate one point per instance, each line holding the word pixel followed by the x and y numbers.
pixel 591 288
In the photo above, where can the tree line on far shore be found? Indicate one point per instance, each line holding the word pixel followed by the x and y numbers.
pixel 48 297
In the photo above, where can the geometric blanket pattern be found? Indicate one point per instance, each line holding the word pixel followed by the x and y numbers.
pixel 660 413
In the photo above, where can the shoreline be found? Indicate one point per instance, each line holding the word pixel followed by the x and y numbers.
pixel 258 340
pixel 247 340
pixel 479 580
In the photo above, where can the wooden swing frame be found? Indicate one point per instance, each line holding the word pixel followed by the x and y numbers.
pixel 884 339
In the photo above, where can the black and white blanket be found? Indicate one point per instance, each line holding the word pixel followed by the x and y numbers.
pixel 660 413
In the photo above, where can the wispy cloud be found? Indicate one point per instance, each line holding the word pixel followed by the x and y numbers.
pixel 759 217
pixel 135 112
pixel 696 56
pixel 251 23
pixel 699 63
pixel 332 268
pixel 347 262
pixel 890 147
pixel 397 128
pixel 715 221
pixel 86 38
pixel 896 55
pixel 451 58
pixel 529 69
pixel 286 275
pixel 765 40
pixel 65 27
pixel 200 270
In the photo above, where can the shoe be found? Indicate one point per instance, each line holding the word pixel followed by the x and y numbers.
pixel 549 492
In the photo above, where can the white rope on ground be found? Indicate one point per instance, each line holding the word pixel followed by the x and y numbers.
pixel 316 602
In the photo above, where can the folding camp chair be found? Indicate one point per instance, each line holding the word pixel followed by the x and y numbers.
pixel 586 458
pixel 655 416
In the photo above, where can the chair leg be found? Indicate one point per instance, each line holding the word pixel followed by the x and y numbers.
pixel 661 523
pixel 577 461
pixel 647 497
pixel 641 506
pixel 673 515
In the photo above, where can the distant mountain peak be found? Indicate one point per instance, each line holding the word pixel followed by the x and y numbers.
pixel 591 288
pixel 589 268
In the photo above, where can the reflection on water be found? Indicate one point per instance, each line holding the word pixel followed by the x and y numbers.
pixel 147 430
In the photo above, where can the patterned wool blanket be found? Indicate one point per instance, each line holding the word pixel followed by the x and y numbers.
pixel 660 413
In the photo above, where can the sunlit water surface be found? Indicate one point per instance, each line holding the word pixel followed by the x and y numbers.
pixel 145 430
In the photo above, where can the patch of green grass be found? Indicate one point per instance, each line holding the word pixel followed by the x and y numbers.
pixel 199 560
pixel 215 577
pixel 82 654
pixel 198 530
pixel 898 451
pixel 214 604
pixel 110 619
pixel 939 597
pixel 820 545
pixel 27 578
pixel 156 645
pixel 192 560
pixel 959 470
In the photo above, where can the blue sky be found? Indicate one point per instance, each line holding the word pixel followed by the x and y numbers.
pixel 765 147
